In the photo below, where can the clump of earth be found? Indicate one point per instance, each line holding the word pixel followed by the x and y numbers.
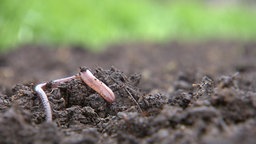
pixel 165 93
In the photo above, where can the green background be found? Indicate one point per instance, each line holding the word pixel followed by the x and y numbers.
pixel 99 23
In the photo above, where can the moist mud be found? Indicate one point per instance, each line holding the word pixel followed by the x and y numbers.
pixel 165 93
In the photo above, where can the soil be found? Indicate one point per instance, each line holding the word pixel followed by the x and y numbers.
pixel 175 92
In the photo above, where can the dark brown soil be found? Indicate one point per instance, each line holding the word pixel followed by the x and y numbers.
pixel 165 93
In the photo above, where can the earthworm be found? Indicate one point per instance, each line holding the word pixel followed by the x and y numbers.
pixel 97 85
pixel 45 101
pixel 40 91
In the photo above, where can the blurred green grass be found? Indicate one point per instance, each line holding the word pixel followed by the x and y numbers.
pixel 98 23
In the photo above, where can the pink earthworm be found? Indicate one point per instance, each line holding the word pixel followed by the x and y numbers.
pixel 97 85
pixel 86 76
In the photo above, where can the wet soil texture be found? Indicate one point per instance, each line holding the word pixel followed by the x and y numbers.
pixel 165 93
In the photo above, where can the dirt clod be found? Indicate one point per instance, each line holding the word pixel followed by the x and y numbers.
pixel 175 93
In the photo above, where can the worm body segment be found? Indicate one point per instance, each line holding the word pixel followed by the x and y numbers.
pixel 40 91
pixel 45 101
pixel 97 85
